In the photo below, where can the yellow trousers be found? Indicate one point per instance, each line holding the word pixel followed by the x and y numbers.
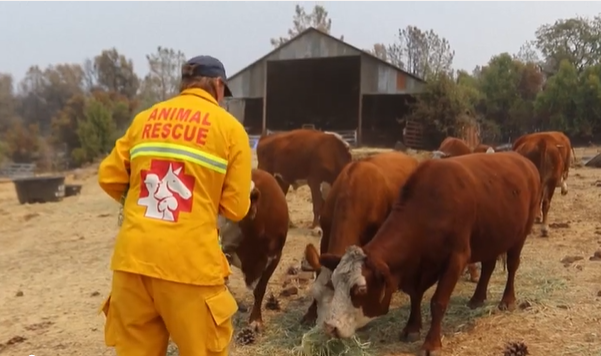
pixel 142 312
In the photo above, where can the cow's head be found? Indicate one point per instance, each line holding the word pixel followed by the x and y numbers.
pixel 439 154
pixel 322 289
pixel 229 231
pixel 363 288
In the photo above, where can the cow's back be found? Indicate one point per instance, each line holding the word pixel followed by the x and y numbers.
pixel 454 147
pixel 557 138
pixel 300 153
pixel 544 154
pixel 272 213
pixel 469 197
pixel 361 199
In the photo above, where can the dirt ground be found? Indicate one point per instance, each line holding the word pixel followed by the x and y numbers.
pixel 55 257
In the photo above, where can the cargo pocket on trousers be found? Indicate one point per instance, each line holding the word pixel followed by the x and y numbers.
pixel 110 334
pixel 222 308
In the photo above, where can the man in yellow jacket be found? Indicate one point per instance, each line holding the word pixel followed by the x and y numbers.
pixel 180 164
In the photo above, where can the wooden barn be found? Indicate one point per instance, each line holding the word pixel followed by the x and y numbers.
pixel 316 80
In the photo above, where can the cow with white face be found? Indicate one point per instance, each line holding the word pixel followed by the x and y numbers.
pixel 411 253
pixel 352 214
pixel 361 292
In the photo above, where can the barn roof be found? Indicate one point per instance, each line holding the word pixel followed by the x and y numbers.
pixel 312 30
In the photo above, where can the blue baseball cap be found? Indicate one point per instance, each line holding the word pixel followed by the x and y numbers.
pixel 211 67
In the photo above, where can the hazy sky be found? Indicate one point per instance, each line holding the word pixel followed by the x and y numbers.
pixel 238 32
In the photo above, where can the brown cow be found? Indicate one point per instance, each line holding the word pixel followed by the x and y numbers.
pixel 548 159
pixel 454 147
pixel 449 213
pixel 302 157
pixel 254 245
pixel 356 206
pixel 564 145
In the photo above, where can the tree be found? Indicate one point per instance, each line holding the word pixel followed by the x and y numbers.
pixel 442 104
pixel 23 142
pixel 43 93
pixel 7 102
pixel 65 123
pixel 528 53
pixel 577 40
pixel 510 88
pixel 162 82
pixel 318 19
pixel 379 50
pixel 96 132
pixel 557 102
pixel 111 71
pixel 421 53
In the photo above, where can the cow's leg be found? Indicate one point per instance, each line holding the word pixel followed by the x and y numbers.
pixel 564 185
pixel 539 215
pixel 414 324
pixel 473 271
pixel 256 318
pixel 317 201
pixel 513 262
pixel 480 293
pixel 440 301
pixel 548 192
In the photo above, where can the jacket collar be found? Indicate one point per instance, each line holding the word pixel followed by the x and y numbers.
pixel 200 93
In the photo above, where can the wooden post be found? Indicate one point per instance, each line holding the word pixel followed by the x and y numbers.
pixel 360 114
pixel 264 122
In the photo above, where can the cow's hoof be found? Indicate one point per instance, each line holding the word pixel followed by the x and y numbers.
pixel 507 306
pixel 544 232
pixel 409 336
pixel 424 352
pixel 256 326
pixel 474 304
pixel 291 225
pixel 564 192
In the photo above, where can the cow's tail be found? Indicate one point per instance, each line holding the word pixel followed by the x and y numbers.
pixel 542 150
pixel 573 156
pixel 503 259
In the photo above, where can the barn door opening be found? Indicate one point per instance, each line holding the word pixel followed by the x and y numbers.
pixel 323 92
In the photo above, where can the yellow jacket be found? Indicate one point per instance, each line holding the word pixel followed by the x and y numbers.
pixel 181 162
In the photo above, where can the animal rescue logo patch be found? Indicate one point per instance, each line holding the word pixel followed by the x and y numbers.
pixel 166 190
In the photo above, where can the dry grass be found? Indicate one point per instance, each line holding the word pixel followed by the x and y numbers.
pixel 57 256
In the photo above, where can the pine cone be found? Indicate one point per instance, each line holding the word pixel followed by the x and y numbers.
pixel 272 303
pixel 516 349
pixel 246 336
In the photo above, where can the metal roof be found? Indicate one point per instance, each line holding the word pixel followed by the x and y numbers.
pixel 312 29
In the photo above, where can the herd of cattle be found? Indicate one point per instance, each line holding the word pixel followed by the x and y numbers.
pixel 389 223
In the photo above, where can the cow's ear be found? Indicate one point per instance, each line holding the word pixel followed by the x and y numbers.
pixel 329 261
pixel 312 257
